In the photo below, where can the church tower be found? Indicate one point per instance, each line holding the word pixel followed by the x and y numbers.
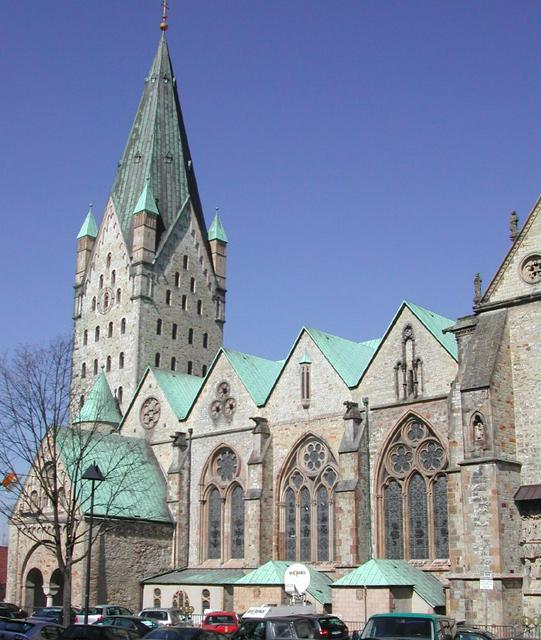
pixel 150 287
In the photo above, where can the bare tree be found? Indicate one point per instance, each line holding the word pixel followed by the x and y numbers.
pixel 46 453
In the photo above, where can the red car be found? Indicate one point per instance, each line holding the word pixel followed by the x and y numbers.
pixel 221 621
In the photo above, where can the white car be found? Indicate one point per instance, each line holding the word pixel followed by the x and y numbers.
pixel 95 614
pixel 164 616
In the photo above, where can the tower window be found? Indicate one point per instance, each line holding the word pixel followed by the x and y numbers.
pixel 177 279
pixel 85 338
pixel 168 296
pixel 190 367
pixel 199 307
pixel 174 330
pixel 192 285
pixel 97 334
pixel 123 326
pixel 185 262
pixel 190 336
pixel 101 282
pixel 95 367
pixel 205 340
pixel 108 364
pixel 113 277
pixel 204 370
pixel 119 394
pixel 81 402
pixel 108 261
pixel 121 360
pixel 110 330
pixel 83 370
pixel 184 303
pixel 159 327
pixel 94 303
pixel 157 360
pixel 118 296
pixel 173 364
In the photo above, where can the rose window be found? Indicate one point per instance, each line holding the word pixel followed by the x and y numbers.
pixel 313 457
pixel 431 456
pixel 226 465
pixel 400 459
pixel 531 269
pixel 150 413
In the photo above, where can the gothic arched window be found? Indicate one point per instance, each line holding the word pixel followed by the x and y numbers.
pixel 223 507
pixel 412 490
pixel 307 503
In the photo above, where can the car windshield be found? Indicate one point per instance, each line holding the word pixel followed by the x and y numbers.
pixel 220 619
pixel 334 626
pixel 92 611
pixel 47 612
pixel 398 628
pixel 157 615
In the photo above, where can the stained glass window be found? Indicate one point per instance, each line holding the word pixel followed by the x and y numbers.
pixel 441 530
pixel 291 525
pixel 418 520
pixel 322 524
pixel 237 523
pixel 214 524
pixel 306 525
pixel 394 546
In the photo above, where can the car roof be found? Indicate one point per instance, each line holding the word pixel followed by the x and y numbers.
pixel 428 616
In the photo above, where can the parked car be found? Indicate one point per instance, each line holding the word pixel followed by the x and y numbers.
pixel 464 632
pixel 31 629
pixel 53 614
pixel 101 611
pixel 9 610
pixel 165 616
pixel 267 623
pixel 96 632
pixel 184 633
pixel 140 625
pixel 221 621
pixel 409 626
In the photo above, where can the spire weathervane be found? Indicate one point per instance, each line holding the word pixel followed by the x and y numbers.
pixel 164 26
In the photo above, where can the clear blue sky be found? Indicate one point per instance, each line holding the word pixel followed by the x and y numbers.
pixel 361 152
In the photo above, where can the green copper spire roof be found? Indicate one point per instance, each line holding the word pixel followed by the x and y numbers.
pixel 216 230
pixel 89 228
pixel 157 148
pixel 147 201
pixel 100 405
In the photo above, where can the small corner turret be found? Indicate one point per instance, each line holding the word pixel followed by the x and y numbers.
pixel 218 247
pixel 145 226
pixel 85 243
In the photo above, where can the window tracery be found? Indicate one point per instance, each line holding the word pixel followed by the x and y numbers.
pixel 413 494
pixel 408 370
pixel 307 503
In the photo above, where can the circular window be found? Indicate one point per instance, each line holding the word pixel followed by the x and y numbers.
pixel 530 269
pixel 150 413
pixel 399 459
pixel 313 457
pixel 225 465
pixel 223 389
pixel 431 456
pixel 414 431
pixel 105 301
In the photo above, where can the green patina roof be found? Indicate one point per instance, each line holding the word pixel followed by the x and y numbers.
pixel 147 201
pixel 180 389
pixel 348 358
pixel 157 148
pixel 89 228
pixel 100 405
pixel 197 576
pixel 272 573
pixel 134 486
pixel 257 374
pixel 216 230
pixel 388 573
pixel 436 324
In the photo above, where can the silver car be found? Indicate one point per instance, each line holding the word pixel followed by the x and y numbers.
pixel 101 611
pixel 163 616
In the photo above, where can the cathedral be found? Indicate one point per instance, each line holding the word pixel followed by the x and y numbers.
pixel 401 469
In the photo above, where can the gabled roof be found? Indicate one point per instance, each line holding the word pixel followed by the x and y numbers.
pixel 348 358
pixel 180 389
pixel 100 406
pixel 89 227
pixel 157 148
pixel 258 375
pixel 393 573
pixel 197 576
pixel 134 486
pixel 216 230
pixel 147 201
pixel 272 573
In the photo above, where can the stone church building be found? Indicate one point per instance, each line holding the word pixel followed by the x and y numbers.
pixel 402 469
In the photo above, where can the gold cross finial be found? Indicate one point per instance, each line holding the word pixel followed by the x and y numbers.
pixel 164 26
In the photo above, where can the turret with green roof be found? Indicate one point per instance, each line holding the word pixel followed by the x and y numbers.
pixel 100 407
pixel 85 243
pixel 145 220
pixel 218 246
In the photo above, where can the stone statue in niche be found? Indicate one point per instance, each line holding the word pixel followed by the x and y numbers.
pixel 479 434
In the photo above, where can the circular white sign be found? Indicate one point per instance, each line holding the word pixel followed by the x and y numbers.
pixel 296 579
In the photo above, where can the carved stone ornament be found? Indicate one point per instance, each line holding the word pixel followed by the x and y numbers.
pixel 150 413
pixel 530 269
pixel 223 389
pixel 223 404
pixel 105 301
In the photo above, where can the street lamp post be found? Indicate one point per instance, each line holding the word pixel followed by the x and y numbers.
pixel 93 474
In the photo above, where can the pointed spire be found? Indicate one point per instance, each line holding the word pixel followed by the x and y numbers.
pixel 163 25
pixel 513 226
pixel 89 228
pixel 146 201
pixel 100 406
pixel 216 229
pixel 157 147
